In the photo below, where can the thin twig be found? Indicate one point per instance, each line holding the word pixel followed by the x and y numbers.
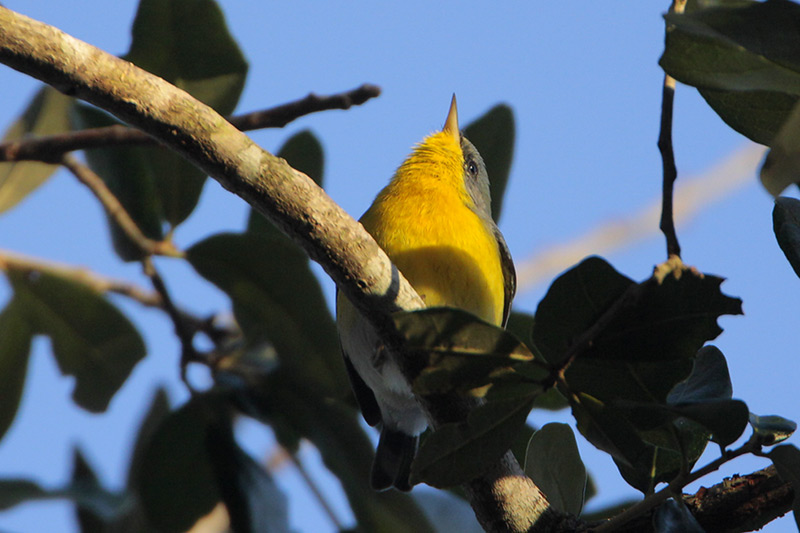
pixel 670 171
pixel 184 329
pixel 116 210
pixel 51 148
pixel 12 261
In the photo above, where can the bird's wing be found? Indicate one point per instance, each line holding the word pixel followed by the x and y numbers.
pixel 509 274
pixel 364 395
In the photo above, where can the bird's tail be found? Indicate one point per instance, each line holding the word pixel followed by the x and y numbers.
pixel 392 465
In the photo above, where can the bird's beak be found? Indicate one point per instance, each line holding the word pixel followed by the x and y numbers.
pixel 451 123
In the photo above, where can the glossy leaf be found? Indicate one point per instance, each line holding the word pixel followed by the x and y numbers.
pixel 674 517
pixel 786 459
pixel 772 429
pixel 156 413
pixel 253 500
pixel 175 482
pixel 129 174
pixel 786 225
pixel 493 135
pixel 187 43
pixel 276 300
pixel 92 340
pixel 97 508
pixel 15 345
pixel 458 351
pixel 458 452
pixel 554 464
pixel 739 53
pixel 47 114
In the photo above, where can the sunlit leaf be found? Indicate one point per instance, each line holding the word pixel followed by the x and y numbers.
pixel 15 344
pixel 786 225
pixel 772 429
pixel 493 135
pixel 554 464
pixel 742 60
pixel 92 340
pixel 458 452
pixel 47 114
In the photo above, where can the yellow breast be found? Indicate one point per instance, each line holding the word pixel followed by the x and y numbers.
pixel 423 221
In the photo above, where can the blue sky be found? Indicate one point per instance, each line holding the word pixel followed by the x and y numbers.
pixel 585 87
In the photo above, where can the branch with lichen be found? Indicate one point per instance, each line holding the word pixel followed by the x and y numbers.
pixel 504 499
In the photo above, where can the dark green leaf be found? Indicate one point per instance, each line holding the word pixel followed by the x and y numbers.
pixel 575 300
pixel 786 224
pixel 97 508
pixel 155 415
pixel 175 482
pixel 781 168
pixel 743 60
pixel 493 136
pixel 277 300
pixel 47 114
pixel 458 350
pixel 255 504
pixel 187 43
pixel 786 459
pixel 130 176
pixel 458 452
pixel 15 345
pixel 554 464
pixel 709 379
pixel 92 340
pixel 293 405
pixel 772 429
pixel 674 517
pixel 16 491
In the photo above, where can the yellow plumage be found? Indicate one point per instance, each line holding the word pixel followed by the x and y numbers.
pixel 425 221
pixel 434 222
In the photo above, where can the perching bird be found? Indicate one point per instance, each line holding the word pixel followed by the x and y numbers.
pixel 435 223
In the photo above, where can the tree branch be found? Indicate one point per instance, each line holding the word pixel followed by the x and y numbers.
pixel 50 148
pixel 284 195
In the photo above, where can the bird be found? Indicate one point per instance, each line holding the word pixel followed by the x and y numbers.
pixel 434 222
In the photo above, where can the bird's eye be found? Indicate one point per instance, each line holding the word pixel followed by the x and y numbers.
pixel 472 167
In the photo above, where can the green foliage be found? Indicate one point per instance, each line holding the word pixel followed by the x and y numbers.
pixel 742 61
pixel 554 464
pixel 786 459
pixel 91 339
pixel 786 224
pixel 47 114
pixel 674 517
pixel 628 358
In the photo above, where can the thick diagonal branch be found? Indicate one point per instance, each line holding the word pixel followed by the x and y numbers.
pixel 287 197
